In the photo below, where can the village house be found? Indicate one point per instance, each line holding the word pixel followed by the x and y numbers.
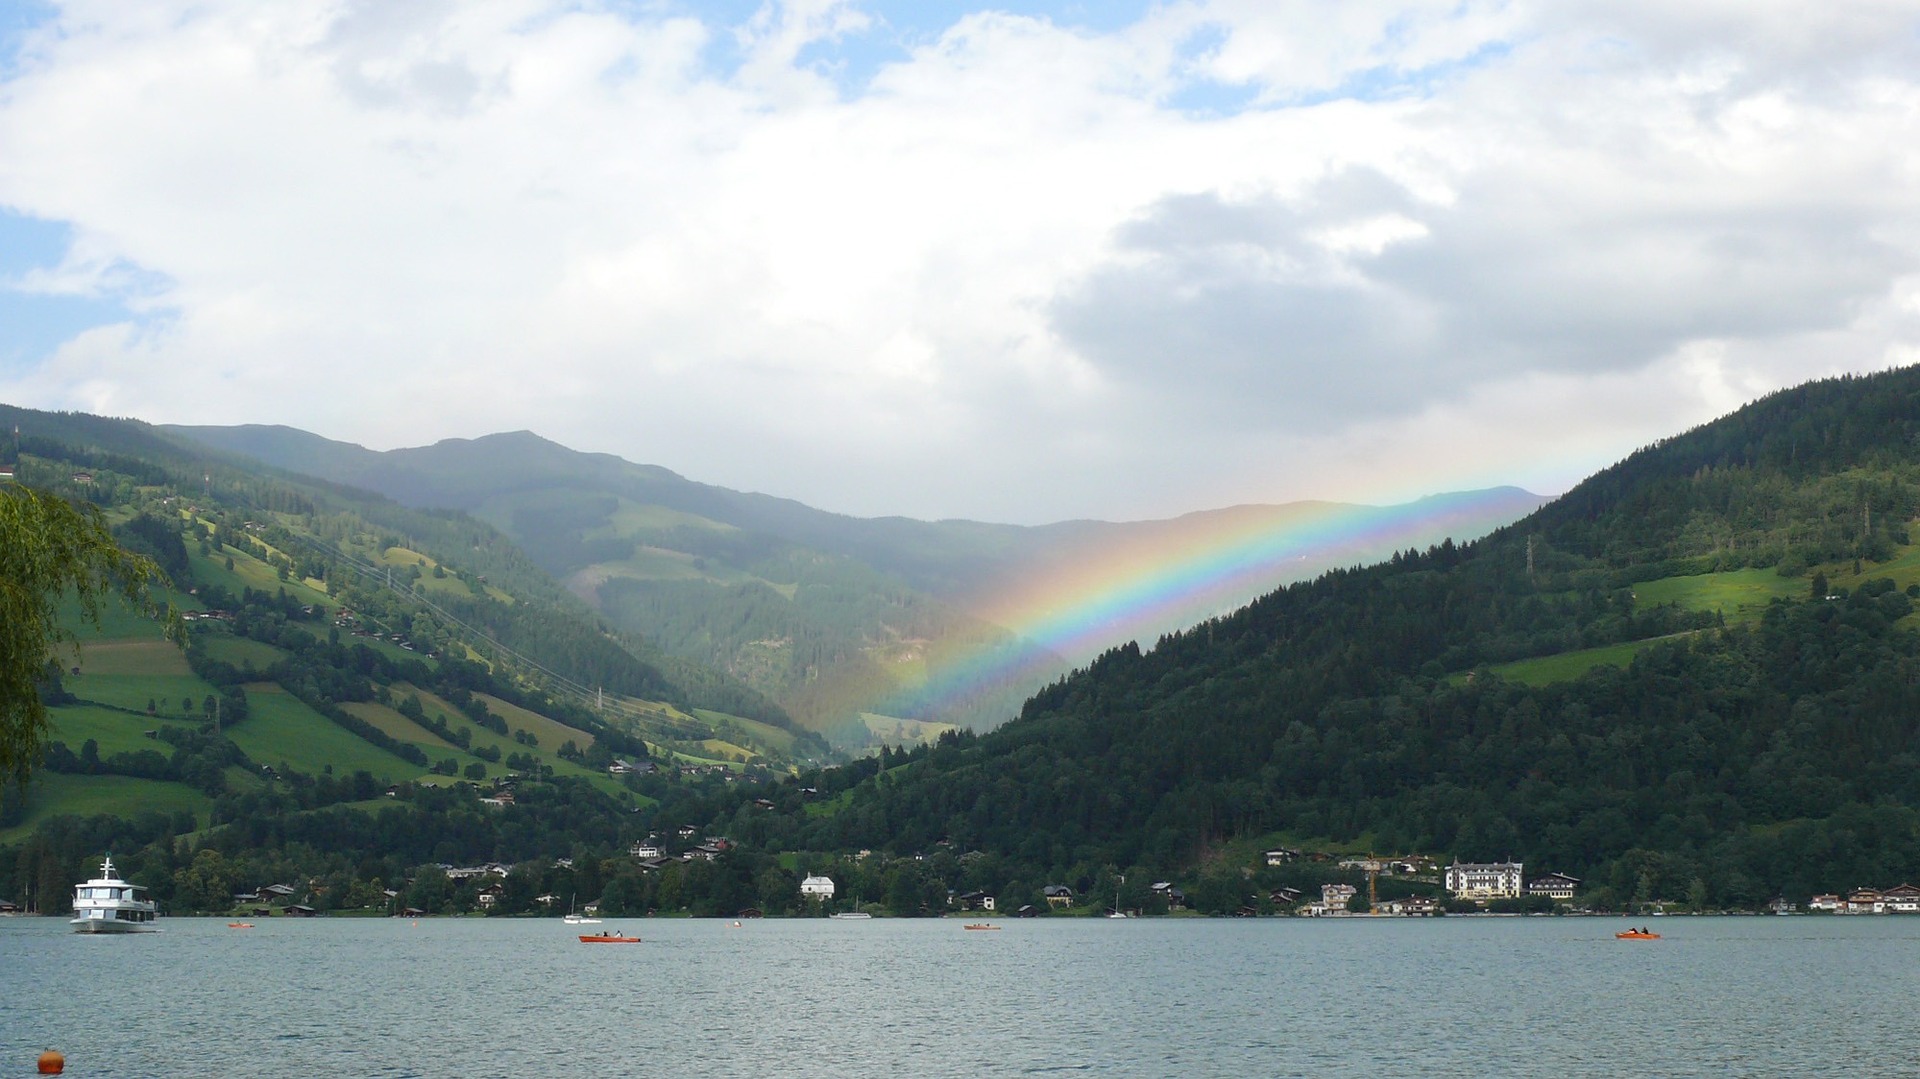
pixel 1282 855
pixel 1413 906
pixel 1176 899
pixel 646 849
pixel 1830 904
pixel 1556 886
pixel 1333 901
pixel 1485 880
pixel 973 900
pixel 1866 901
pixel 1902 899
pixel 1058 895
pixel 817 887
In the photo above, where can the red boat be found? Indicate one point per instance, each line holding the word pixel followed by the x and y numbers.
pixel 607 938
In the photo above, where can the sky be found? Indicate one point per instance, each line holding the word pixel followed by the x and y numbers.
pixel 1020 262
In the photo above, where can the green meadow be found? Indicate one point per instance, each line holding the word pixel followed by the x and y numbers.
pixel 1741 596
pixel 53 794
pixel 283 729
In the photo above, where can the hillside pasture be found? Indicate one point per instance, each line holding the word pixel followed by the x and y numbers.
pixel 1566 666
pixel 240 651
pixel 899 731
pixel 1741 595
pixel 171 694
pixel 402 729
pixel 550 733
pixel 112 730
pixel 119 620
pixel 133 657
pixel 55 794
pixel 762 736
pixel 283 729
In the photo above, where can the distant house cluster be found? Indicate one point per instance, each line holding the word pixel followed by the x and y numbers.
pixel 1899 899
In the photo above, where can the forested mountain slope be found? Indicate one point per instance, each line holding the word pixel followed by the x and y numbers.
pixel 1738 753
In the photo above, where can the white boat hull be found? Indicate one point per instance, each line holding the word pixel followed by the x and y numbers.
pixel 99 922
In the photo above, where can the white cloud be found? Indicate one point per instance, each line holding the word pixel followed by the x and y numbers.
pixel 1013 276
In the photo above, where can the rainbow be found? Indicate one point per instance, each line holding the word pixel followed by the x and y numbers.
pixel 1115 584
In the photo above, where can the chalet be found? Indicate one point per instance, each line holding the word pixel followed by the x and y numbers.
pixel 1413 906
pixel 817 887
pixel 276 891
pixel 1782 905
pixel 490 895
pixel 1866 901
pixel 974 900
pixel 1027 910
pixel 1058 895
pixel 705 852
pixel 1830 904
pixel 647 849
pixel 1485 880
pixel 1285 897
pixel 1903 899
pixel 1176 899
pixel 688 831
pixel 1282 855
pixel 1557 886
pixel 8 906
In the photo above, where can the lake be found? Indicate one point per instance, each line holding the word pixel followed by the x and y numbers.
pixel 1758 996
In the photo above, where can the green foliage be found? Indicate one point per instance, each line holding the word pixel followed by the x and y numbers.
pixel 49 549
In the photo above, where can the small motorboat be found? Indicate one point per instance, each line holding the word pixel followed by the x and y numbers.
pixel 615 937
pixel 239 925
pixel 980 925
pixel 1637 934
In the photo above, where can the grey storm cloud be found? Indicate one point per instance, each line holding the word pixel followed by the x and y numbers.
pixel 1241 313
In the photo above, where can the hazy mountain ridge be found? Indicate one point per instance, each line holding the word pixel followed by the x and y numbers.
pixel 830 614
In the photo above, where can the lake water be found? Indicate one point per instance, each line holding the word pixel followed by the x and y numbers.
pixel 1759 996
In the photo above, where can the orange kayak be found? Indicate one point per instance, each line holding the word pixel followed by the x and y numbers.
pixel 1635 934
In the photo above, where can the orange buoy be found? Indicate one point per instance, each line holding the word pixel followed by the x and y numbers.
pixel 52 1063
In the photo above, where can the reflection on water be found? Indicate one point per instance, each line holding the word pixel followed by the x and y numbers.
pixel 363 997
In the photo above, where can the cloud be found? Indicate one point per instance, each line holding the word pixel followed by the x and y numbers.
pixel 1013 270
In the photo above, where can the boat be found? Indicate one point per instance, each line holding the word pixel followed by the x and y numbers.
pixel 577 919
pixel 615 937
pixel 980 925
pixel 239 925
pixel 851 915
pixel 1637 934
pixel 107 904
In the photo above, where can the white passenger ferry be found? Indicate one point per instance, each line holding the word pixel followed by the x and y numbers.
pixel 107 904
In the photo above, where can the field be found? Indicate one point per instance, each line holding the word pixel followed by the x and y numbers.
pixel 112 730
pixel 1740 594
pixel 896 731
pixel 282 729
pixel 122 796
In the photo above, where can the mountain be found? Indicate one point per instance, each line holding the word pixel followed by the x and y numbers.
pixel 1695 677
pixel 223 524
pixel 839 618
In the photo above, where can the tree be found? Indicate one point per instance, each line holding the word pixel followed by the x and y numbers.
pixel 49 549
